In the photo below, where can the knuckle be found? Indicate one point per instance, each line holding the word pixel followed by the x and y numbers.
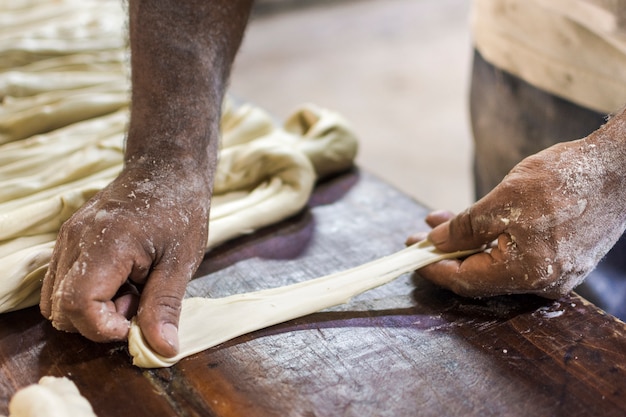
pixel 71 227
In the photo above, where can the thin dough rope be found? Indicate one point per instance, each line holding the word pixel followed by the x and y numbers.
pixel 207 322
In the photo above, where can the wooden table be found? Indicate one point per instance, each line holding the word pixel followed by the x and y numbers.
pixel 404 349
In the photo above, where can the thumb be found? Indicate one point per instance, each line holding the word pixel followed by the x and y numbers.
pixel 468 230
pixel 160 306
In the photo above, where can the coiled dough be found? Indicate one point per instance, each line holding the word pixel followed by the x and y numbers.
pixel 63 117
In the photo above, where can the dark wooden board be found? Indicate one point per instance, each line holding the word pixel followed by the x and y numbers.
pixel 404 349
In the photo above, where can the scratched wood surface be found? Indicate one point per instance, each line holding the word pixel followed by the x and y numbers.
pixel 403 349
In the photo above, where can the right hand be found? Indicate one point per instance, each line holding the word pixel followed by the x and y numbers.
pixel 148 228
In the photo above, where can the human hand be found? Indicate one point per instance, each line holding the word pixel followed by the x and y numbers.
pixel 147 229
pixel 547 225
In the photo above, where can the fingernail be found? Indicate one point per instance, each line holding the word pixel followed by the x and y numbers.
pixel 169 332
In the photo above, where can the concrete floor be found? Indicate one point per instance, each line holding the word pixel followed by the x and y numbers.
pixel 396 69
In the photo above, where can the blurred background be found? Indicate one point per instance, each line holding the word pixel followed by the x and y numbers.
pixel 397 70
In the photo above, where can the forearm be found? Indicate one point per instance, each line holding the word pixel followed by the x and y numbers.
pixel 181 54
pixel 149 225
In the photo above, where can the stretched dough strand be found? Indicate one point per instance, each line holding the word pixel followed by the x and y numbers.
pixel 207 322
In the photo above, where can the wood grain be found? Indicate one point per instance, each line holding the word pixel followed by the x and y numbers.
pixel 405 349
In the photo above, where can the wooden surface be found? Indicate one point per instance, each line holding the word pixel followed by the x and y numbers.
pixel 404 349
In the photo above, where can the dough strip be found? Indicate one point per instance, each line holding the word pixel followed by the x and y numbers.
pixel 207 322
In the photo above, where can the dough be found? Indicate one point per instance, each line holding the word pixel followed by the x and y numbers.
pixel 258 182
pixel 51 397
pixel 25 262
pixel 206 322
pixel 63 117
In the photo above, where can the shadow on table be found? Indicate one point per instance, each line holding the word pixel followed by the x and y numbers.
pixel 285 240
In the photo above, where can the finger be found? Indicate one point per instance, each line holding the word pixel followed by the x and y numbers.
pixel 47 286
pixel 416 237
pixel 435 218
pixel 160 305
pixel 82 299
pixel 482 274
pixel 49 280
pixel 470 229
pixel 127 300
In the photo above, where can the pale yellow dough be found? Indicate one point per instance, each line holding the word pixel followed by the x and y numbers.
pixel 207 322
pixel 63 117
pixel 51 397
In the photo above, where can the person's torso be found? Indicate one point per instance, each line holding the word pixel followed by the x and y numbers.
pixel 575 49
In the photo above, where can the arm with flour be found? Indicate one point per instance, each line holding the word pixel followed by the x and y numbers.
pixel 554 217
pixel 149 225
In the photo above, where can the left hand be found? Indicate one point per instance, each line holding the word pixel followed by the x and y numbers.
pixel 547 225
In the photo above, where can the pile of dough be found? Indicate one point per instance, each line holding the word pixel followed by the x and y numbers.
pixel 51 397
pixel 207 322
pixel 63 116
